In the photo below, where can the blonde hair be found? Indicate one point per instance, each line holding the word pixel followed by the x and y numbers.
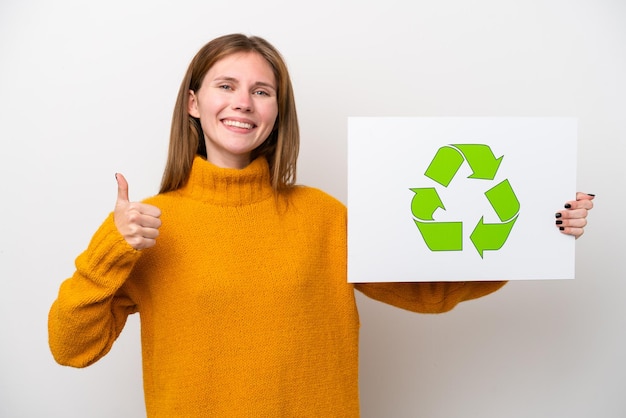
pixel 186 136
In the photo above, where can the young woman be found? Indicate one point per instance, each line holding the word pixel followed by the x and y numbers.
pixel 239 275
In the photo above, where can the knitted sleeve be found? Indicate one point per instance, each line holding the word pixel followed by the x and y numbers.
pixel 427 297
pixel 91 308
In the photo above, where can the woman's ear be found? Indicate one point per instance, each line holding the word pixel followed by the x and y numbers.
pixel 192 105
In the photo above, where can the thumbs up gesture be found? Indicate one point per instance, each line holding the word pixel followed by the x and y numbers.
pixel 137 222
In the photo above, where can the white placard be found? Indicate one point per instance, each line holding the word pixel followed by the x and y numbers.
pixel 450 199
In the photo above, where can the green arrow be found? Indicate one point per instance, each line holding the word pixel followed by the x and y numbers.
pixel 481 160
pixel 491 236
pixel 425 203
pixel 444 165
pixel 442 236
pixel 503 200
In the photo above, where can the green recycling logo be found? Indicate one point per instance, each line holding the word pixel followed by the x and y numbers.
pixel 448 236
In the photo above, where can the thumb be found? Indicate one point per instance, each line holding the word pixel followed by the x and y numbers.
pixel 122 188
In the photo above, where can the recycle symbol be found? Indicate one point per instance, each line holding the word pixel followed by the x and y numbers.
pixel 448 236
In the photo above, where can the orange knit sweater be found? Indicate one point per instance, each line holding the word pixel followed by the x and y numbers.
pixel 244 305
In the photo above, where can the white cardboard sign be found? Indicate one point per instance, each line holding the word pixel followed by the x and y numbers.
pixel 459 199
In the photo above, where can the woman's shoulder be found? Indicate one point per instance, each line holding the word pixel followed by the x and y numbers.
pixel 172 199
pixel 316 197
pixel 158 198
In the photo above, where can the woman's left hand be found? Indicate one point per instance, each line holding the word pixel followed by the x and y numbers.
pixel 573 219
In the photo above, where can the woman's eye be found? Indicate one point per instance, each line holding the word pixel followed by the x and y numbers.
pixel 224 87
pixel 261 93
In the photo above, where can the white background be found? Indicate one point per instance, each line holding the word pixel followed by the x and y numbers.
pixel 87 89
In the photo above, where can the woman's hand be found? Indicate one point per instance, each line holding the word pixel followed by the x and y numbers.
pixel 137 222
pixel 573 219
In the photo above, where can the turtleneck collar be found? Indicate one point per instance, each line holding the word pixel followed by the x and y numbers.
pixel 228 186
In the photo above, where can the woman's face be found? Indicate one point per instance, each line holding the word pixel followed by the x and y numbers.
pixel 237 107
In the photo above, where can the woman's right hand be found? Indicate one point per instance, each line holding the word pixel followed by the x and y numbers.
pixel 137 222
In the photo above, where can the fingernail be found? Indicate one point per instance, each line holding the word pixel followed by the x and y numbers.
pixel 561 228
pixel 591 194
pixel 567 206
pixel 558 215
pixel 559 222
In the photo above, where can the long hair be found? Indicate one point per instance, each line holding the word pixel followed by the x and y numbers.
pixel 186 136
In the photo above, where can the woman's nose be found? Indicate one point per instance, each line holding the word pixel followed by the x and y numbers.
pixel 242 101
